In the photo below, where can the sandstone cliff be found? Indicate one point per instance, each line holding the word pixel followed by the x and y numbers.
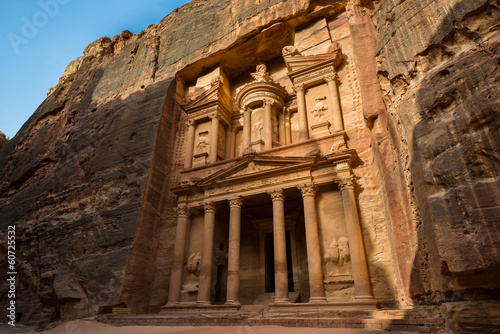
pixel 86 180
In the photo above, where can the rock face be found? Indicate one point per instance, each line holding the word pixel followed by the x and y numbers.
pixel 87 179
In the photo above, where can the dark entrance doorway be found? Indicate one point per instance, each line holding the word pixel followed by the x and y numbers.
pixel 269 265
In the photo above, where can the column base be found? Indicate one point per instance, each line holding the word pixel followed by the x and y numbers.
pixel 232 303
pixel 172 303
pixel 318 300
pixel 203 303
pixel 282 301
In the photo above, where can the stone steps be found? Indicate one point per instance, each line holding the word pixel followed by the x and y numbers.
pixel 425 325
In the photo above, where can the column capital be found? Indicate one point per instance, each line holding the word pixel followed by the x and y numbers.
pixel 209 207
pixel 347 182
pixel 190 122
pixel 268 101
pixel 182 211
pixel 236 202
pixel 308 189
pixel 214 115
pixel 299 87
pixel 277 195
pixel 332 77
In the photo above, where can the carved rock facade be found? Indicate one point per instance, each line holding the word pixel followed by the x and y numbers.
pixel 317 151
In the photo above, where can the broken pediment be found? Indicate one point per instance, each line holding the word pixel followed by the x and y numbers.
pixel 307 69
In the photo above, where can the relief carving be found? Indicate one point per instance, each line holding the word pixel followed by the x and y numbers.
pixel 203 142
pixel 261 74
pixel 257 130
pixel 338 257
pixel 193 264
pixel 319 108
pixel 290 50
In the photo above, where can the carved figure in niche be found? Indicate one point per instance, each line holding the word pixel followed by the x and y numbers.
pixel 203 142
pixel 261 74
pixel 339 251
pixel 257 130
pixel 319 107
pixel 220 145
pixel 290 51
pixel 193 264
pixel 275 128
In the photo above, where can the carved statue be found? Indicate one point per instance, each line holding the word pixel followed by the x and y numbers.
pixel 290 51
pixel 319 107
pixel 193 264
pixel 203 142
pixel 257 130
pixel 339 251
pixel 261 74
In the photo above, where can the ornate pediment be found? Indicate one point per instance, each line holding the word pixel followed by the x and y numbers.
pixel 257 167
pixel 205 99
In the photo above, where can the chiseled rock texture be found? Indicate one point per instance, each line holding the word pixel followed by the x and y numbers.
pixel 86 179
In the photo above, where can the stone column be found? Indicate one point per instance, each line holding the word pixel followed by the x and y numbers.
pixel 174 291
pixel 233 260
pixel 288 126
pixel 207 254
pixel 247 128
pixel 280 265
pixel 188 159
pixel 214 137
pixel 268 124
pixel 338 124
pixel 229 138
pixel 314 264
pixel 281 128
pixel 301 109
pixel 360 276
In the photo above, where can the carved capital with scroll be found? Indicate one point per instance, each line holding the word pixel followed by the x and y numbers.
pixel 308 189
pixel 346 183
pixel 209 207
pixel 236 202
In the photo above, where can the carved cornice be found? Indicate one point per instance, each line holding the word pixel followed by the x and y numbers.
pixel 209 207
pixel 308 189
pixel 277 195
pixel 236 202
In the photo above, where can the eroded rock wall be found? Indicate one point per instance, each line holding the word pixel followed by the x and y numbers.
pixel 438 64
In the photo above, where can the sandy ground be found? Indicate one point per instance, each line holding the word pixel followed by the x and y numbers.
pixel 90 327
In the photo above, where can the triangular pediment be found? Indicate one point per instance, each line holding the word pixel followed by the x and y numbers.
pixel 257 167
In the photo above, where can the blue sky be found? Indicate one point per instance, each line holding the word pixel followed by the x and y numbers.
pixel 40 37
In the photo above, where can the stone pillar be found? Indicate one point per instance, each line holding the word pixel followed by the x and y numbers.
pixel 314 264
pixel 247 127
pixel 301 109
pixel 288 126
pixel 338 124
pixel 280 265
pixel 214 138
pixel 174 291
pixel 360 276
pixel 188 159
pixel 229 138
pixel 233 260
pixel 281 128
pixel 268 124
pixel 207 254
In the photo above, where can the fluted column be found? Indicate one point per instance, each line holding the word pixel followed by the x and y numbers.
pixel 301 109
pixel 268 124
pixel 207 254
pixel 233 260
pixel 314 265
pixel 338 124
pixel 214 137
pixel 174 291
pixel 280 265
pixel 247 128
pixel 188 159
pixel 360 276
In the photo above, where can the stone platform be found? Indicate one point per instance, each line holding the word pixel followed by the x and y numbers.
pixel 422 321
